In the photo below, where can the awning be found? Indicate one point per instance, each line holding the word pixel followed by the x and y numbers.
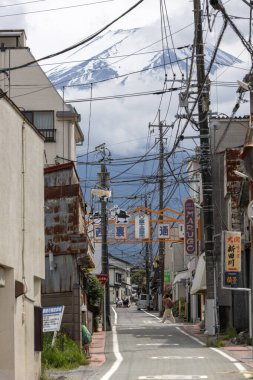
pixel 199 280
pixel 181 276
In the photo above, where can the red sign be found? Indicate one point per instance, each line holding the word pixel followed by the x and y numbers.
pixel 102 278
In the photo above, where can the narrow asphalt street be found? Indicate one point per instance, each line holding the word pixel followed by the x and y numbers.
pixel 141 348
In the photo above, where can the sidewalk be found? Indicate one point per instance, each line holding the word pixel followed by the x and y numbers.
pixel 241 353
pixel 97 349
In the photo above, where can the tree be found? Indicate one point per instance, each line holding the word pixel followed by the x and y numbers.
pixel 95 293
pixel 138 277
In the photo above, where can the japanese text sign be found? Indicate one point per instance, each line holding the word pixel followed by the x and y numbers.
pixel 232 251
pixel 231 279
pixel 163 231
pixel 120 232
pixel 52 317
pixel 97 232
pixel 190 230
pixel 142 226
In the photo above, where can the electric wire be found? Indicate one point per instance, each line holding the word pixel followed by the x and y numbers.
pixel 91 37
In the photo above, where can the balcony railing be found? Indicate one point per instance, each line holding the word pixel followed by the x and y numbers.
pixel 49 134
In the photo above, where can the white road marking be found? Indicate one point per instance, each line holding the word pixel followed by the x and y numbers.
pixel 157 344
pixel 177 357
pixel 173 377
pixel 149 322
pixel 152 315
pixel 239 366
pixel 116 351
pixel 152 335
pixel 190 336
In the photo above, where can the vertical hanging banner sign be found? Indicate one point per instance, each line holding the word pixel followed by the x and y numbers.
pixel 120 232
pixel 232 258
pixel 181 230
pixel 232 251
pixel 190 230
pixel 142 230
pixel 163 231
pixel 98 232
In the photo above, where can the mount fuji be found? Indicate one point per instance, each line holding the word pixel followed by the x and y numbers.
pixel 117 54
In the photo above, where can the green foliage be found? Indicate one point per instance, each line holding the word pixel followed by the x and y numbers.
pixel 230 333
pixel 219 343
pixel 43 373
pixel 64 354
pixel 95 293
pixel 139 278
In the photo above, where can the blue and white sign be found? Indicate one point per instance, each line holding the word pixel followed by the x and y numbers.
pixel 163 231
pixel 142 230
pixel 120 231
pixel 52 317
pixel 98 232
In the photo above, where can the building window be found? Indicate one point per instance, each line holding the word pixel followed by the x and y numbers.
pixel 118 277
pixel 38 329
pixel 44 122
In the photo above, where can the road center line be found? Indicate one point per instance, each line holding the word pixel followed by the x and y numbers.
pixel 116 351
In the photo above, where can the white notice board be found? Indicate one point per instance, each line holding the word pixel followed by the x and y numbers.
pixel 52 317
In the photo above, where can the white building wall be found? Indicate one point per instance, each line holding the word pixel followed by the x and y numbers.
pixel 31 90
pixel 22 242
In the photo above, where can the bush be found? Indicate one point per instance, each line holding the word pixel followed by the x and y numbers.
pixel 64 354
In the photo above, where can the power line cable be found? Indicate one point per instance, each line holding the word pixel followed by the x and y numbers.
pixel 75 45
pixel 53 9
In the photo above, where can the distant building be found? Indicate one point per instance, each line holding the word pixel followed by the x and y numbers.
pixel 119 278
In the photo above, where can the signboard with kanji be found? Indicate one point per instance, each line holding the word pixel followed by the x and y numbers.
pixel 190 230
pixel 232 258
pixel 231 279
pixel 98 232
pixel 120 231
pixel 142 230
pixel 166 277
pixel 232 245
pixel 52 317
pixel 163 231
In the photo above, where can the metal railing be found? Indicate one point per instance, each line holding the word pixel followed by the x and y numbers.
pixel 49 134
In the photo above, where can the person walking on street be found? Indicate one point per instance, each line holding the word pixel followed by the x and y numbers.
pixel 168 304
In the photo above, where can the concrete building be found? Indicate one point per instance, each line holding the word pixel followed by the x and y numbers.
pixel 227 139
pixel 119 278
pixel 22 244
pixel 24 80
pixel 69 251
pixel 26 83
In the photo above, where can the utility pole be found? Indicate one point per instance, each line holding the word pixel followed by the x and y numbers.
pixel 104 184
pixel 161 206
pixel 147 249
pixel 147 259
pixel 206 170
